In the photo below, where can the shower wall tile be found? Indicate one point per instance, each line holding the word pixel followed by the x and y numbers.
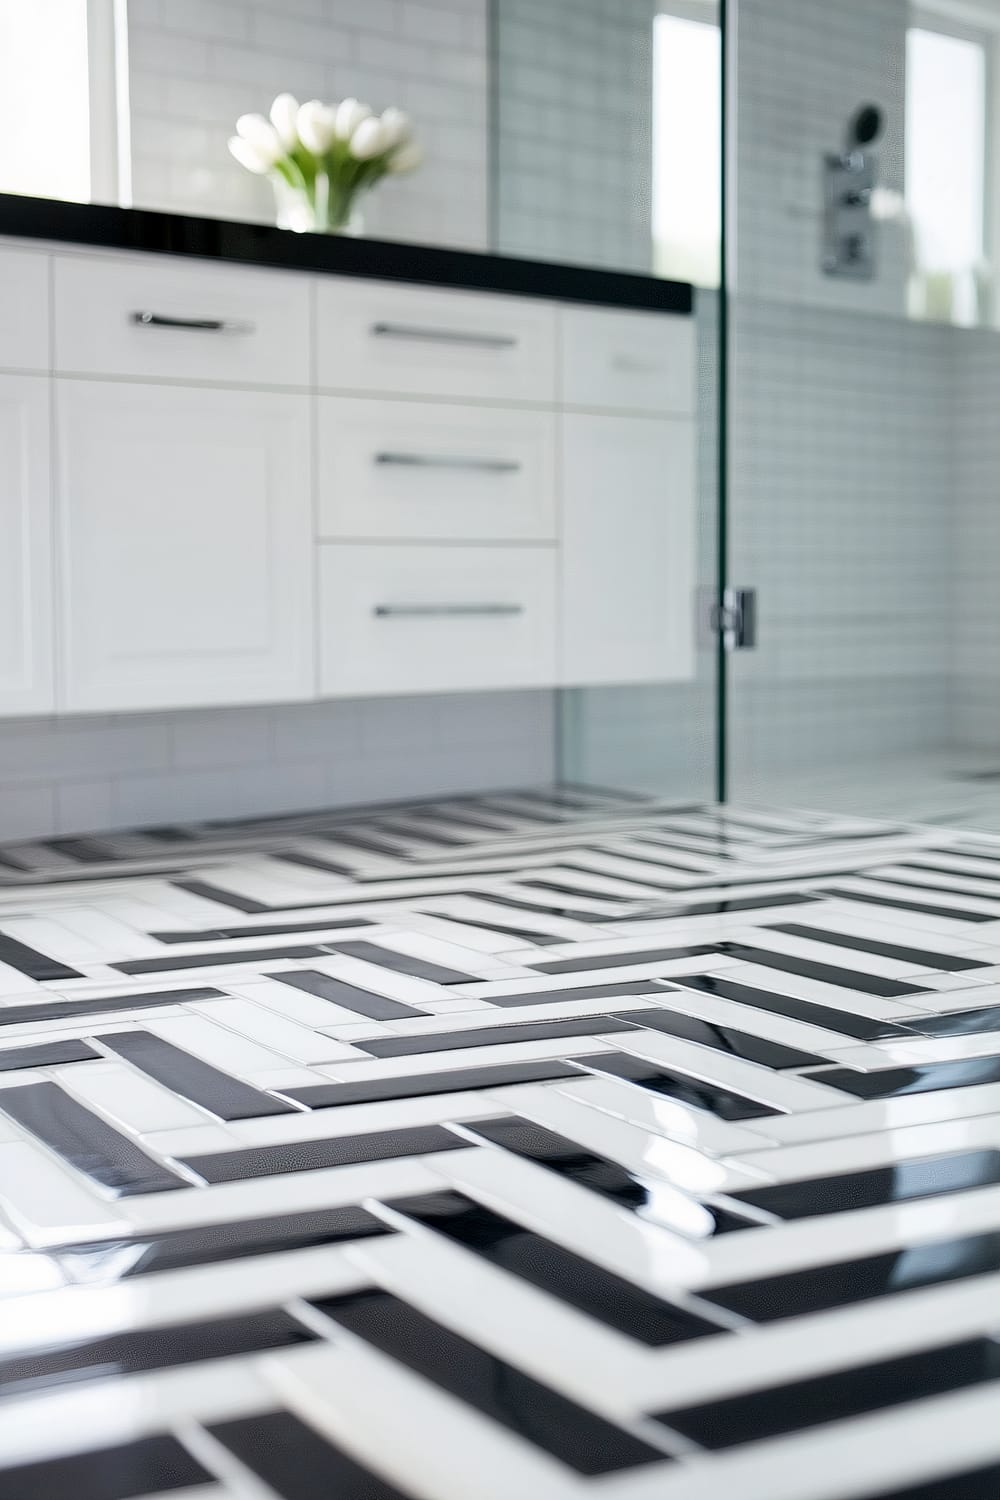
pixel 194 66
pixel 803 68
pixel 574 130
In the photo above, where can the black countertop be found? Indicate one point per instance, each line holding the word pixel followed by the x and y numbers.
pixel 389 260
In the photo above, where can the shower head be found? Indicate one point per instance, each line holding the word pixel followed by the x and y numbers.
pixel 864 126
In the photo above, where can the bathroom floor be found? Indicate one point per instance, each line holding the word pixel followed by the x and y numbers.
pixel 552 1144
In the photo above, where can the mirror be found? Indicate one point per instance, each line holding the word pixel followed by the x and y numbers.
pixel 571 130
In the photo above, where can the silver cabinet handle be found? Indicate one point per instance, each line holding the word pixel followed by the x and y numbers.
pixel 199 325
pixel 448 461
pixel 443 336
pixel 397 611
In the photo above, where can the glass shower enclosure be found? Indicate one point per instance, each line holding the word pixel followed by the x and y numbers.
pixel 848 371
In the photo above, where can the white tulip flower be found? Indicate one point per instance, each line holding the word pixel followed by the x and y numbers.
pixel 284 112
pixel 407 159
pixel 315 125
pixel 257 159
pixel 259 132
pixel 369 140
pixel 396 124
pixel 350 114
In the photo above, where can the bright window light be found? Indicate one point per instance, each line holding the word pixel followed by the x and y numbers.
pixel 44 99
pixel 945 166
pixel 687 149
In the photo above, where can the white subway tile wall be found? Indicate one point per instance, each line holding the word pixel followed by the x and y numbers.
pixel 575 130
pixel 79 774
pixel 804 67
pixel 195 65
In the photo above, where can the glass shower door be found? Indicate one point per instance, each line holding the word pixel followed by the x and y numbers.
pixel 606 152
pixel 862 446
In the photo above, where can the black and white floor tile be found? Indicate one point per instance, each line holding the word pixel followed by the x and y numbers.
pixel 559 1144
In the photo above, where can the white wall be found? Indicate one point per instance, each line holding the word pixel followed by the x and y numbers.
pixel 83 773
pixel 195 65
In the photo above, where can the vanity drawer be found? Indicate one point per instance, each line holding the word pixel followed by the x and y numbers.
pixel 628 361
pixel 415 470
pixel 152 316
pixel 378 336
pixel 425 619
pixel 24 310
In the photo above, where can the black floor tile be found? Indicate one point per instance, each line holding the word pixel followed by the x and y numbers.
pixel 579 1438
pixel 925 1177
pixel 844 1283
pixel 891 1083
pixel 296 1463
pixel 362 1002
pixel 149 1466
pixel 45 1055
pixel 743 1044
pixel 491 1036
pixel 421 1085
pixel 85 1141
pixel 310 1156
pixel 584 1285
pixel 233 1239
pixel 725 1104
pixel 135 1350
pixel 389 958
pixel 220 1093
pixel 598 1174
pixel 846 979
pixel 927 958
pixel 830 1398
pixel 844 1021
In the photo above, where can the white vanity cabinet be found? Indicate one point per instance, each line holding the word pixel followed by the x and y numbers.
pixel 27 681
pixel 223 484
pixel 627 555
pixel 27 665
pixel 628 498
pixel 186 545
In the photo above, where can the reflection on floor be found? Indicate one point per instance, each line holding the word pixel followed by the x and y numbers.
pixel 955 790
pixel 553 1144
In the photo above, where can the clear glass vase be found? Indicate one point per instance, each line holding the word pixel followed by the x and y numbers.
pixel 323 208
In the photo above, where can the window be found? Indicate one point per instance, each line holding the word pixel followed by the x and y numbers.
pixel 947 78
pixel 58 98
pixel 687 143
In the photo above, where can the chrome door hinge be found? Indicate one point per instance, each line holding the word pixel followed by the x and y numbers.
pixel 734 618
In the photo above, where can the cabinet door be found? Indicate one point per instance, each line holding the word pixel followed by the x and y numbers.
pixel 628 555
pixel 26 676
pixel 435 619
pixel 186 545
pixel 628 361
pixel 435 471
pixel 24 309
pixel 426 341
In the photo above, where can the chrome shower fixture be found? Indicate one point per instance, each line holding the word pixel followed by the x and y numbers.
pixel 848 183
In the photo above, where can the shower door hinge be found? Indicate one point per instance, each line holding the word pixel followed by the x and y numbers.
pixel 734 618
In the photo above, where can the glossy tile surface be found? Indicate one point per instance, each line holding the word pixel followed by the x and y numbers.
pixel 554 1143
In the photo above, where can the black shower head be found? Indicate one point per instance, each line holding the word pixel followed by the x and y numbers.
pixel 864 126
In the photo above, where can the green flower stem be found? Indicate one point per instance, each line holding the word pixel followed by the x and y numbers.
pixel 331 184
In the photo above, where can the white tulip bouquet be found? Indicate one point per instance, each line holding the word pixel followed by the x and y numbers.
pixel 322 157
